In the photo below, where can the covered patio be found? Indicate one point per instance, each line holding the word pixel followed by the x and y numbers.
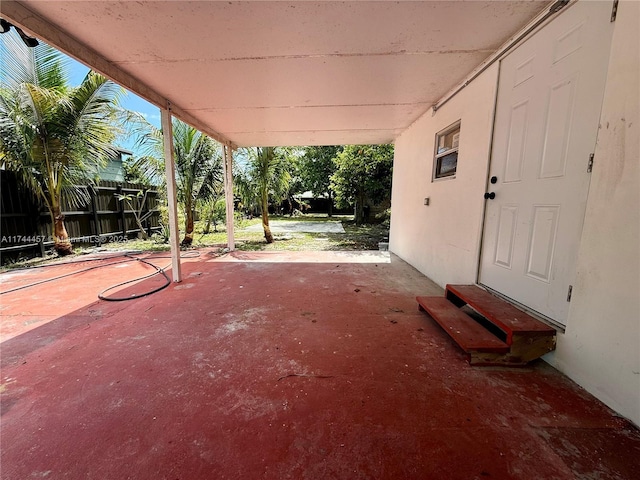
pixel 256 73
pixel 274 365
pixel 319 365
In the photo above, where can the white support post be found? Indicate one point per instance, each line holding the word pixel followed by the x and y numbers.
pixel 170 172
pixel 228 193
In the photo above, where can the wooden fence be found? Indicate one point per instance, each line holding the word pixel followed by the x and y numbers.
pixel 25 225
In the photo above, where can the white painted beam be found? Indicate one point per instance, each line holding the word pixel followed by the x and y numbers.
pixel 170 172
pixel 228 193
pixel 19 15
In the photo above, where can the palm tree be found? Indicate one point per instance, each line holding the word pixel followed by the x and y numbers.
pixel 198 160
pixel 54 136
pixel 266 174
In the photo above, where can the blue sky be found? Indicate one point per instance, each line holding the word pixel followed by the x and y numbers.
pixel 130 101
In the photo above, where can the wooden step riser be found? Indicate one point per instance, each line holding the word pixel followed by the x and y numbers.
pixel 520 354
pixel 529 348
pixel 481 359
pixel 522 351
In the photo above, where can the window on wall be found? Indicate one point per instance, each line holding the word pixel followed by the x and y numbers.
pixel 446 156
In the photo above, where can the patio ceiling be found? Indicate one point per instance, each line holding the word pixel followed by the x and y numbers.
pixel 282 73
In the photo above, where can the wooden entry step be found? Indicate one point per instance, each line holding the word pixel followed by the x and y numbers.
pixel 500 335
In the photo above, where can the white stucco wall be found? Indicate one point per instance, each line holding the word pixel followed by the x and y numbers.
pixel 601 346
pixel 600 349
pixel 442 240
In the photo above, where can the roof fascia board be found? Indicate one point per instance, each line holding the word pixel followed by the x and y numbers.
pixel 29 21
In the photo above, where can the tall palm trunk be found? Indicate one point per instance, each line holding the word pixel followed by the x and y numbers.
pixel 61 242
pixel 188 234
pixel 268 236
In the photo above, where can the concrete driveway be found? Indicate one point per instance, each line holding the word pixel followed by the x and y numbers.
pixel 293 226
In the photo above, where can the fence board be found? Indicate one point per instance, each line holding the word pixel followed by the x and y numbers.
pixel 23 218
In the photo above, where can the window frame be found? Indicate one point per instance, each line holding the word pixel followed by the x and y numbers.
pixel 448 150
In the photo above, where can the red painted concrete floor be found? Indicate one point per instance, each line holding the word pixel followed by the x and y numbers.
pixel 276 366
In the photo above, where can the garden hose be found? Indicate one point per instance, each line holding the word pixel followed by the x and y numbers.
pixel 129 257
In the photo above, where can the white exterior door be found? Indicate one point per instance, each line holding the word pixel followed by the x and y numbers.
pixel 548 108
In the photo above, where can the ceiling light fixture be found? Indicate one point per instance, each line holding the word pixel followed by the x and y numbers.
pixel 4 26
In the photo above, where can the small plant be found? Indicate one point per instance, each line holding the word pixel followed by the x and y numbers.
pixel 239 220
pixel 214 213
pixel 162 236
pixel 140 201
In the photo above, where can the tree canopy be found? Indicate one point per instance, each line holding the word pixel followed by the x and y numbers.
pixel 316 166
pixel 363 177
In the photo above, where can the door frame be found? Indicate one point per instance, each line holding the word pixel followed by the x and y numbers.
pixel 482 241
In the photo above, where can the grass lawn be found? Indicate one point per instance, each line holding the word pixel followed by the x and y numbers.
pixel 356 237
pixel 363 237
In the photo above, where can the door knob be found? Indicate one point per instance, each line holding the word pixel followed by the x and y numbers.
pixel 489 196
pixel 494 180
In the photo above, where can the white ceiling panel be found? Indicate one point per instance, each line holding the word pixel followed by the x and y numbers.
pixel 312 137
pixel 370 117
pixel 283 73
pixel 309 81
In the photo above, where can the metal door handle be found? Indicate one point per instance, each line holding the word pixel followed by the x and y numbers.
pixel 489 196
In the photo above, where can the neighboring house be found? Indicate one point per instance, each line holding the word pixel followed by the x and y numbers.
pixel 113 171
pixel 560 237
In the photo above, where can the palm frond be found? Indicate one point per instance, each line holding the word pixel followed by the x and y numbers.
pixel 90 122
pixel 43 65
pixel 211 182
pixel 264 174
pixel 52 135
pixel 75 195
pixel 149 139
